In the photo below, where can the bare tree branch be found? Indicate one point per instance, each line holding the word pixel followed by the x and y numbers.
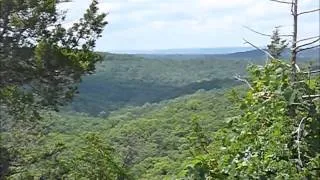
pixel 237 77
pixel 292 7
pixel 311 96
pixel 312 47
pixel 297 67
pixel 266 52
pixel 63 1
pixel 284 2
pixel 299 130
pixel 309 43
pixel 311 11
pixel 294 10
pixel 308 38
pixel 312 72
pixel 263 34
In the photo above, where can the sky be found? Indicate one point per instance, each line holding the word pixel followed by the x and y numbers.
pixel 172 24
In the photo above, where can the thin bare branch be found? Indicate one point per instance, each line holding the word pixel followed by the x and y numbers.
pixel 297 67
pixel 309 43
pixel 284 2
pixel 237 77
pixel 299 130
pixel 297 82
pixel 263 34
pixel 63 1
pixel 312 47
pixel 311 96
pixel 266 52
pixel 312 72
pixel 308 38
pixel 311 11
pixel 294 10
pixel 292 7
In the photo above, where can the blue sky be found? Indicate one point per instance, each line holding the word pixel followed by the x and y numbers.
pixel 166 24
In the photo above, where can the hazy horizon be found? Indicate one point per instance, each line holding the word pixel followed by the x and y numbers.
pixel 177 24
pixel 218 50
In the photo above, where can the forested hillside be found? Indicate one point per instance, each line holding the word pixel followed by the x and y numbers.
pixel 130 80
pixel 151 142
pixel 133 80
pixel 70 112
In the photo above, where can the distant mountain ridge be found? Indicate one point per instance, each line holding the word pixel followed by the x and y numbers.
pixel 251 55
pixel 220 50
pixel 223 53
pixel 254 54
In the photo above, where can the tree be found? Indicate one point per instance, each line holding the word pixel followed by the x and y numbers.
pixel 41 64
pixel 96 160
pixel 266 141
pixel 299 45
pixel 40 55
pixel 277 133
pixel 277 46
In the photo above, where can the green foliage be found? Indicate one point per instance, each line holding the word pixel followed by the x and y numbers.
pixel 277 135
pixel 96 161
pixel 147 142
pixel 277 46
pixel 199 136
pixel 61 156
pixel 41 55
pixel 133 80
pixel 273 134
pixel 41 63
pixel 198 140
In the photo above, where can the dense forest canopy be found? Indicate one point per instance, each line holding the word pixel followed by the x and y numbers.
pixel 133 80
pixel 69 112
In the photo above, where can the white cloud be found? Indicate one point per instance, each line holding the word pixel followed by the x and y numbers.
pixel 220 4
pixel 153 24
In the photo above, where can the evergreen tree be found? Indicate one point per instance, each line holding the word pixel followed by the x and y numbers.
pixel 41 64
pixel 277 45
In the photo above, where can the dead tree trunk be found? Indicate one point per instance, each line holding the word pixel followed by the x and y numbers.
pixel 294 11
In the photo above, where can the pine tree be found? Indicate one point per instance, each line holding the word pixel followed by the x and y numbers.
pixel 41 63
pixel 277 45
